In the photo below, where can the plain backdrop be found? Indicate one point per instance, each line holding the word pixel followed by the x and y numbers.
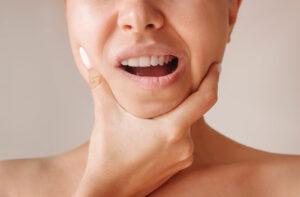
pixel 46 107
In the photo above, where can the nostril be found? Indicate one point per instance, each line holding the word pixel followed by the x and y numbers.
pixel 149 26
pixel 127 27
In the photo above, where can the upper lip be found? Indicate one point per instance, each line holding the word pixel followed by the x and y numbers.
pixel 140 50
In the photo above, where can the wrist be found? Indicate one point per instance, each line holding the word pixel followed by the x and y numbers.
pixel 89 187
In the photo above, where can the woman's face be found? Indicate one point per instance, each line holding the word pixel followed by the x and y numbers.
pixel 194 31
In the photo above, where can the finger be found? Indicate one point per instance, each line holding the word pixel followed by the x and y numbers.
pixel 102 95
pixel 198 103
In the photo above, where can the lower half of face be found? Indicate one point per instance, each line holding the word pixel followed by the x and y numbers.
pixel 148 102
pixel 202 40
pixel 135 95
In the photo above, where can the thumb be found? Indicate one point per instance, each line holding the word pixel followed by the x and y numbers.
pixel 102 94
pixel 198 103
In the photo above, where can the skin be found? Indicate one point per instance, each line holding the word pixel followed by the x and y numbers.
pixel 170 29
pixel 221 167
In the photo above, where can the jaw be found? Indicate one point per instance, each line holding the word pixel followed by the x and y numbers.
pixel 150 103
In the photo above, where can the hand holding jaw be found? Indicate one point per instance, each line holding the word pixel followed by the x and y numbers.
pixel 130 156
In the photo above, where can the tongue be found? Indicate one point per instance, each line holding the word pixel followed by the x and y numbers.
pixel 154 71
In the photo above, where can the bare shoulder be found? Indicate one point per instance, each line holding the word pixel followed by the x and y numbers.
pixel 29 177
pixel 19 175
pixel 277 177
pixel 281 175
pixel 4 177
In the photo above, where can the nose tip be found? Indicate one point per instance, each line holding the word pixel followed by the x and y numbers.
pixel 138 17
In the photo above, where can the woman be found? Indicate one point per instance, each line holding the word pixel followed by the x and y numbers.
pixel 153 68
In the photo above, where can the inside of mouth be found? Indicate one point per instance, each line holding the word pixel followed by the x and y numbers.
pixel 154 71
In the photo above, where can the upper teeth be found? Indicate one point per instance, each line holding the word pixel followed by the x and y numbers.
pixel 146 61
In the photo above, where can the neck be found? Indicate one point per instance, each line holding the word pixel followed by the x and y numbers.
pixel 210 148
pixel 199 132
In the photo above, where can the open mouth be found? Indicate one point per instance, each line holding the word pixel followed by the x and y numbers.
pixel 151 66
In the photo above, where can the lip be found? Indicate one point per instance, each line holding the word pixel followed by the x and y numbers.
pixel 147 82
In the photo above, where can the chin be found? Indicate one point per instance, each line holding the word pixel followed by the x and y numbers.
pixel 147 104
pixel 148 111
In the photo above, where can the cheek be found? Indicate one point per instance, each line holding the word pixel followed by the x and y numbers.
pixel 206 37
pixel 86 28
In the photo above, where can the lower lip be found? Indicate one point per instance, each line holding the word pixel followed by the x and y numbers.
pixel 152 83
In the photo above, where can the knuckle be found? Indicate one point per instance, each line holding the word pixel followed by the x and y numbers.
pixel 174 134
pixel 94 82
pixel 188 162
pixel 211 97
pixel 94 78
pixel 188 152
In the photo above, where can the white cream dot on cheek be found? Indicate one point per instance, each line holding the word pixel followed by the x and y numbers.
pixel 84 57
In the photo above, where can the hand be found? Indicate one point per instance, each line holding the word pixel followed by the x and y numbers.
pixel 130 156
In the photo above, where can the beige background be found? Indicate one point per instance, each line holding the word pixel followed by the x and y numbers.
pixel 46 108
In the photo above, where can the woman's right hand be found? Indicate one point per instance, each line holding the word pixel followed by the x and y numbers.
pixel 130 156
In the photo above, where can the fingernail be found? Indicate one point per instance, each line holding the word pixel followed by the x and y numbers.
pixel 85 58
